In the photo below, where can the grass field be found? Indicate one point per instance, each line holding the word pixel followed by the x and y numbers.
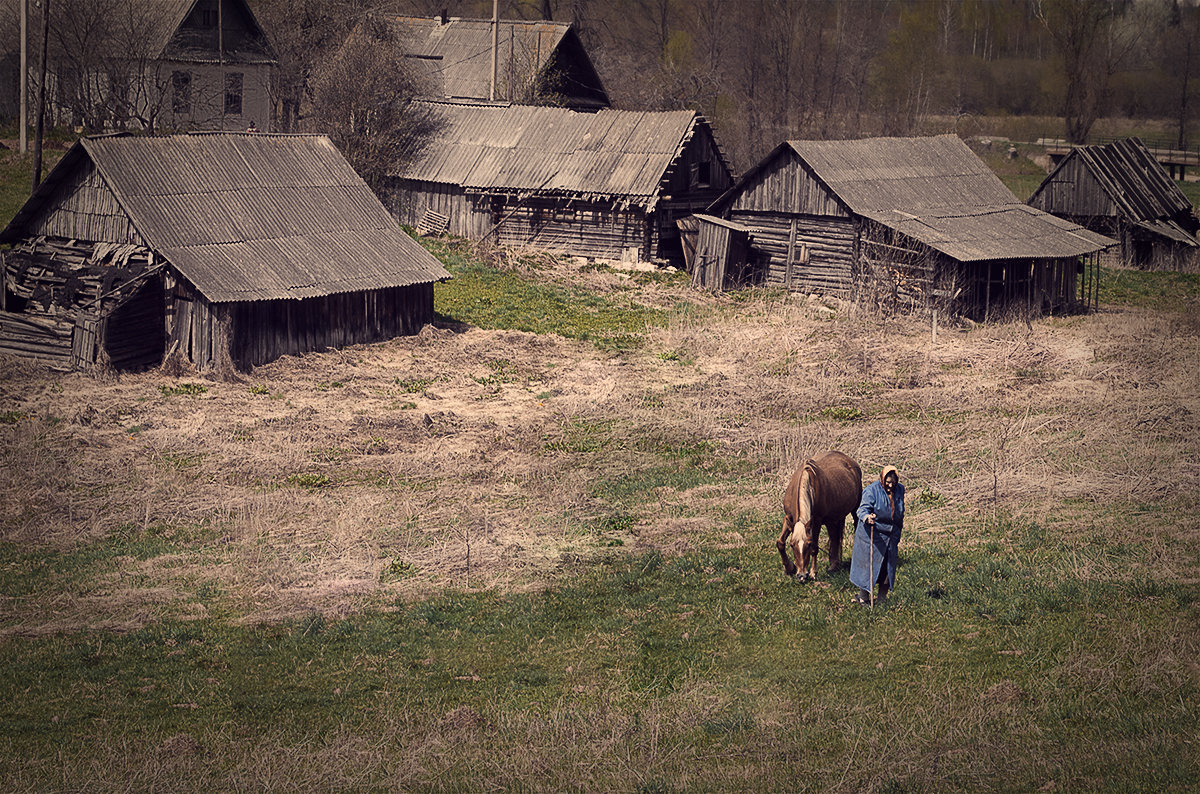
pixel 533 548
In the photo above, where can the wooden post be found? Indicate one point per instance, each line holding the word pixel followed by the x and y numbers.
pixel 791 257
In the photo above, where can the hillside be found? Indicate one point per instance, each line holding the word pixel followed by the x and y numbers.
pixel 492 558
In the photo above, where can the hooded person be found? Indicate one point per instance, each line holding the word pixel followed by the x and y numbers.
pixel 877 532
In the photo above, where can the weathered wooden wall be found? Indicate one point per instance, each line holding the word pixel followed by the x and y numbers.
pixel 610 227
pixel 803 253
pixel 83 208
pixel 262 331
pixel 410 200
pixel 563 224
pixel 594 230
pixel 712 256
pixel 1075 192
pixel 785 186
pixel 897 274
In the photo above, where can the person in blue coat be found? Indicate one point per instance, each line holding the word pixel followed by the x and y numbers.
pixel 880 517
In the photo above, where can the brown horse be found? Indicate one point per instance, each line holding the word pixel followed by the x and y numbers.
pixel 822 491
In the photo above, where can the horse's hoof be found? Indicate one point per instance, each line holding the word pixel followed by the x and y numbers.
pixel 801 578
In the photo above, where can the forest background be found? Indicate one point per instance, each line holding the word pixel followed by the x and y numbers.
pixel 766 70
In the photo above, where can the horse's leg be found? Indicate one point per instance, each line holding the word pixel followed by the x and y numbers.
pixel 810 549
pixel 836 534
pixel 782 545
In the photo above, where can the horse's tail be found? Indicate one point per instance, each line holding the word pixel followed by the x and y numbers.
pixel 809 480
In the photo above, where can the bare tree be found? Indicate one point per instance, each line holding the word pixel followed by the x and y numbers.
pixel 363 100
pixel 103 71
pixel 1093 37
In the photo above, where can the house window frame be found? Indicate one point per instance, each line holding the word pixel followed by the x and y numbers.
pixel 181 93
pixel 234 100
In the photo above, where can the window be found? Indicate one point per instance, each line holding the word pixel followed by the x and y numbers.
pixel 233 94
pixel 703 173
pixel 181 92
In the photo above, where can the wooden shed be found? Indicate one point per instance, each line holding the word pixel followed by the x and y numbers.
pixel 226 248
pixel 1120 190
pixel 537 62
pixel 909 223
pixel 605 185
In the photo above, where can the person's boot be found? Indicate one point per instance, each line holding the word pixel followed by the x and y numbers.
pixel 883 592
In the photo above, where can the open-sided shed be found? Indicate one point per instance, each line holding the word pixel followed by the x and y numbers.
pixel 605 185
pixel 231 248
pixel 912 223
pixel 1120 190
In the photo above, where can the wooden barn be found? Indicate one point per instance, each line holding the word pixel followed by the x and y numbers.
pixel 913 224
pixel 1120 190
pixel 223 248
pixel 604 185
pixel 537 62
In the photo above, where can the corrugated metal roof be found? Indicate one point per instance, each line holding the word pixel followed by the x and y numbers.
pixel 936 190
pixel 1133 179
pixel 252 216
pixel 456 55
pixel 619 153
pixel 1014 231
pixel 910 173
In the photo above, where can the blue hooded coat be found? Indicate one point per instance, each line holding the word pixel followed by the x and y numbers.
pixel 889 522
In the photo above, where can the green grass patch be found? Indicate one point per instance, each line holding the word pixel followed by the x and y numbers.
pixel 16 178
pixel 186 389
pixel 308 480
pixel 1150 289
pixel 488 298
pixel 995 661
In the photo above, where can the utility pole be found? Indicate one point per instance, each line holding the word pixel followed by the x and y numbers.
pixel 495 43
pixel 39 125
pixel 24 76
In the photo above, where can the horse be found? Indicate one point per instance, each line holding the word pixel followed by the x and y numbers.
pixel 822 491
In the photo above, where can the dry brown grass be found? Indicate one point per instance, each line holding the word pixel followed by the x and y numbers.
pixel 410 451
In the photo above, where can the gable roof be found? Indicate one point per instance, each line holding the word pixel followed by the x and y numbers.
pixel 623 154
pixel 249 216
pixel 1134 182
pixel 937 191
pixel 157 23
pixel 458 52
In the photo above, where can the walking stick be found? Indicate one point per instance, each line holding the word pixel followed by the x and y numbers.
pixel 873 577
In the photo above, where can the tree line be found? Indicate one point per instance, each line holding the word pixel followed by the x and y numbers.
pixel 761 70
pixel 767 70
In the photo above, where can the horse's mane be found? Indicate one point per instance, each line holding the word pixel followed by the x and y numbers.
pixel 808 486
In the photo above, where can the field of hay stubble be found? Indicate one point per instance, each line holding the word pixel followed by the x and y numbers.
pixel 489 558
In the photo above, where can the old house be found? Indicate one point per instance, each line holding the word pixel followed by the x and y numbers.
pixel 605 185
pixel 536 62
pixel 1120 190
pixel 160 64
pixel 910 223
pixel 222 248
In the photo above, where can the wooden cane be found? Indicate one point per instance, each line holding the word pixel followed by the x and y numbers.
pixel 873 577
